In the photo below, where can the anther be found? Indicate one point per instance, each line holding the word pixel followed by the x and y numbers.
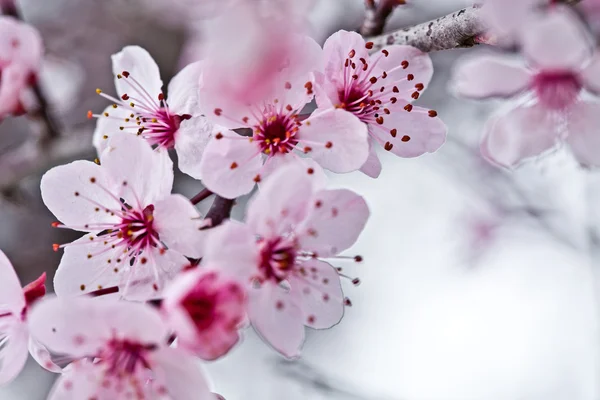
pixel 395 89
pixel 218 112
pixel 432 113
pixel 388 146
pixel 369 45
pixel 373 80
pixel 394 132
pixel 310 171
pixel 125 74
pixel 393 100
pixel 55 246
pixel 328 145
pixel 419 86
pixel 358 258
pixel 125 97
pixel 98 91
pixel 256 178
pixel 415 95
pixel 385 52
pixel 405 138
pixel 356 281
pixel 233 165
pixel 410 77
pixel 90 115
pixel 404 64
pixel 408 107
pixel 352 53
pixel 219 135
pixel 379 120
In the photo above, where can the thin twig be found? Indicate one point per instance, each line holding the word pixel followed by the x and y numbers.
pixel 220 210
pixel 202 195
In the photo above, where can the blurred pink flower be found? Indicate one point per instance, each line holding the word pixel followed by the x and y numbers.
pixel 137 232
pixel 292 226
pixel 336 140
pixel 507 20
pixel 15 303
pixel 142 108
pixel 561 63
pixel 206 311
pixel 379 91
pixel 120 349
pixel 21 53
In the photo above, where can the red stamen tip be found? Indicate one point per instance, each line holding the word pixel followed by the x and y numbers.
pixel 90 115
pixel 55 246
pixel 55 224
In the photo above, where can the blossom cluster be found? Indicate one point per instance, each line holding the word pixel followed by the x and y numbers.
pixel 152 284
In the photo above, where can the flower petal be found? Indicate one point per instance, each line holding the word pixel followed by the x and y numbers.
pixel 319 294
pixel 42 356
pixel 337 49
pixel 397 71
pixel 78 273
pixel 591 75
pixel 80 326
pixel 230 165
pixel 277 319
pixel 338 140
pixel 108 126
pixel 141 67
pixel 11 293
pixel 558 40
pixel 190 142
pixel 282 202
pixel 336 219
pixel 13 353
pixel 184 91
pixel 143 175
pixel 371 167
pixel 489 76
pixel 181 375
pixel 178 224
pixel 521 133
pixel 79 194
pixel 583 125
pixel 232 248
pixel 410 134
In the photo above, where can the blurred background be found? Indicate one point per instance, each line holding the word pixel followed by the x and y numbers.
pixel 477 283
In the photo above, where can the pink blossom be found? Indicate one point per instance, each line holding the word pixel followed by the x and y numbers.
pixel 379 90
pixel 20 60
pixel 292 227
pixel 120 350
pixel 137 233
pixel 142 108
pixel 15 303
pixel 507 20
pixel 206 311
pixel 336 140
pixel 561 64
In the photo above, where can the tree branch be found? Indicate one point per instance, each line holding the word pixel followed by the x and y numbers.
pixel 456 30
pixel 376 15
pixel 220 210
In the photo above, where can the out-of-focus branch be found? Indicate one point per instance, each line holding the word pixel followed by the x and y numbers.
pixel 456 30
pixel 220 210
pixel 376 15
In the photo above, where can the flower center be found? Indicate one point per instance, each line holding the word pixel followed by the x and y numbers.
pixel 137 228
pixel 277 258
pixel 160 130
pixel 276 133
pixel 557 90
pixel 200 306
pixel 123 357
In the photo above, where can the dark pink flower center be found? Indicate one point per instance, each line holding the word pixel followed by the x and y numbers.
pixel 557 90
pixel 277 258
pixel 276 133
pixel 137 228
pixel 123 357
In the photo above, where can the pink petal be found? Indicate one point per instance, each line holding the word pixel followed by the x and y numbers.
pixel 281 203
pixel 70 194
pixel 108 126
pixel 181 375
pixel 184 91
pixel 557 41
pixel 77 274
pixel 277 319
pixel 20 43
pixel 13 353
pixel 230 165
pixel 190 142
pixel 521 133
pixel 371 167
pixel 178 224
pixel 583 125
pixel 80 326
pixel 338 140
pixel 419 66
pixel 591 75
pixel 42 356
pixel 319 295
pixel 490 76
pixel 415 132
pixel 313 170
pixel 141 67
pixel 337 49
pixel 326 92
pixel 232 248
pixel 11 294
pixel 143 175
pixel 336 219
